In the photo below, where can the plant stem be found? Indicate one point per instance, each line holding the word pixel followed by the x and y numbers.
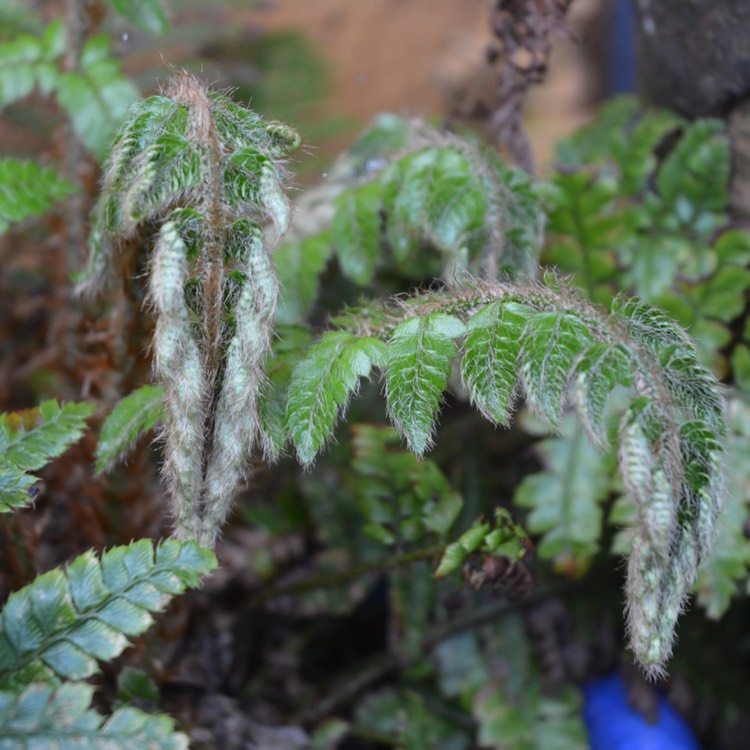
pixel 341 577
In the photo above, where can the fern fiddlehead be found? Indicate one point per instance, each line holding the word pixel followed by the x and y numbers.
pixel 207 172
pixel 542 341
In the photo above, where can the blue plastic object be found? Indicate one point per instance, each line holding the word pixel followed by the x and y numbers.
pixel 614 725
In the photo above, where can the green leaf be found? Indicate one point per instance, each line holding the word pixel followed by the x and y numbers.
pixel 15 486
pixel 148 15
pixel 97 96
pixel 45 716
pixel 299 266
pixel 26 189
pixel 490 361
pixel 601 369
pixel 418 361
pixel 565 499
pixel 135 414
pixel 28 61
pixel 741 366
pixel 29 440
pixel 355 232
pixel 68 619
pixel 721 574
pixel 697 169
pixel 322 385
pixel 552 343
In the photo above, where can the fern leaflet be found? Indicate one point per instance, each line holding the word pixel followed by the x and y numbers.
pixel 45 716
pixel 323 384
pixel 26 189
pixel 64 621
pixel 418 360
pixel 135 414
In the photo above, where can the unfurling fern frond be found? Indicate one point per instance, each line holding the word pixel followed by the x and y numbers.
pixel 204 174
pixel 63 622
pixel 542 342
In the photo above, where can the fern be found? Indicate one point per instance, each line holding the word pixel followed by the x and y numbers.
pixel 96 96
pixel 670 435
pixel 26 189
pixel 202 172
pixel 148 15
pixel 417 366
pixel 63 622
pixel 299 267
pixel 15 487
pixel 430 200
pixel 135 414
pixel 28 61
pixel 565 498
pixel 29 440
pixel 45 716
pixel 322 385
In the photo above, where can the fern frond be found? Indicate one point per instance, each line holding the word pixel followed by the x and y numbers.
pixel 187 165
pixel 134 415
pixel 670 437
pixel 66 620
pixel 30 439
pixel 15 486
pixel 242 128
pixel 565 498
pixel 322 385
pixel 418 360
pixel 148 15
pixel 288 350
pixel 26 189
pixel 179 363
pixel 47 716
pixel 28 61
pixel 96 96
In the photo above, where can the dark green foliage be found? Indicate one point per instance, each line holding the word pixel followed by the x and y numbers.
pixel 401 498
pixel 493 673
pixel 669 437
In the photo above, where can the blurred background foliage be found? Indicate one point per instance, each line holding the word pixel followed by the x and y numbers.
pixel 324 627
